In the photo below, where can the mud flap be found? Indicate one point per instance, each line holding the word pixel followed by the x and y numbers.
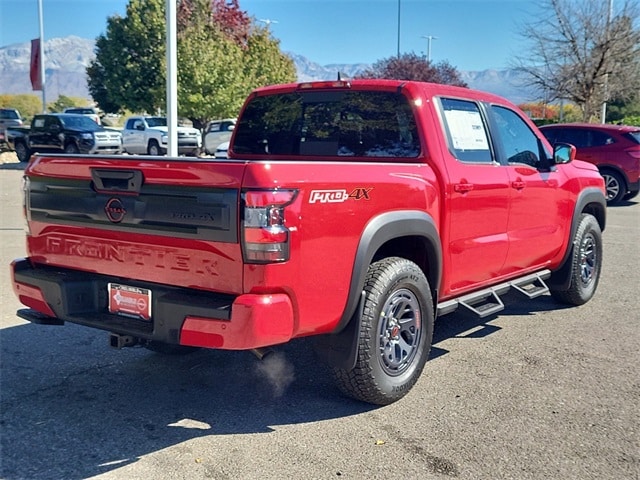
pixel 340 350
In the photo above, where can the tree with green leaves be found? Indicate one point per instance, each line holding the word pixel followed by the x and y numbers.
pixel 63 102
pixel 222 56
pixel 129 68
pixel 410 66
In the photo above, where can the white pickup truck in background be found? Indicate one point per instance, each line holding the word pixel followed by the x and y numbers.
pixel 149 135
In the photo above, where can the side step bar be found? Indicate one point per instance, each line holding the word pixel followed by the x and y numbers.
pixel 487 301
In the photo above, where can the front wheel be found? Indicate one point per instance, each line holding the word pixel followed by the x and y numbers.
pixel 586 263
pixel 395 333
pixel 154 149
pixel 71 148
pixel 615 186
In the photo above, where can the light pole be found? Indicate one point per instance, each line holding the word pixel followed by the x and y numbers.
pixel 267 21
pixel 429 38
pixel 398 28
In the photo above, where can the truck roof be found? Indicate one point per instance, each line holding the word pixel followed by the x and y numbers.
pixel 429 89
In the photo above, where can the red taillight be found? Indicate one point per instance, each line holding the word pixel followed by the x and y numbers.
pixel 265 237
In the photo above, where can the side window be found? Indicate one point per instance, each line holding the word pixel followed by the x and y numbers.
pixel 38 122
pixel 576 137
pixel 517 142
pixel 51 122
pixel 599 139
pixel 466 131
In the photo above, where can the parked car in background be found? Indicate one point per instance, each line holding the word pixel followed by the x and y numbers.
pixel 63 132
pixel 92 113
pixel 10 117
pixel 217 132
pixel 149 135
pixel 222 151
pixel 614 149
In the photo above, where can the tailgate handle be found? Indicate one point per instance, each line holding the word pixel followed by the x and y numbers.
pixel 117 180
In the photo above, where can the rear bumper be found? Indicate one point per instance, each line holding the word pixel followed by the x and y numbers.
pixel 179 316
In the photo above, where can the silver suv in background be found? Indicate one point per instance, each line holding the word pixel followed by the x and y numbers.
pixel 10 117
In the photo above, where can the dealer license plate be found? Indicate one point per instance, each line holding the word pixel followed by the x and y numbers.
pixel 130 301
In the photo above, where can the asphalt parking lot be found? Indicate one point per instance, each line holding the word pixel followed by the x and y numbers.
pixel 538 391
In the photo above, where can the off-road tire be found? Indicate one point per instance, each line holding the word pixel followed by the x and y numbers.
pixel 615 186
pixel 169 348
pixel 395 333
pixel 22 152
pixel 586 263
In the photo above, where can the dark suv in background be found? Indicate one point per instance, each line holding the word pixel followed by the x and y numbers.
pixel 614 149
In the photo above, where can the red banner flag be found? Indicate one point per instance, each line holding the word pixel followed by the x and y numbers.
pixel 34 73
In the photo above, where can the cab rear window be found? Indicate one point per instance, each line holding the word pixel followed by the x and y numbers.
pixel 328 123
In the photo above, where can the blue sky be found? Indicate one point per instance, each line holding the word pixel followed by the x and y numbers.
pixel 471 34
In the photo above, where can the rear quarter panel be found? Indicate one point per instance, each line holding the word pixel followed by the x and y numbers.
pixel 335 201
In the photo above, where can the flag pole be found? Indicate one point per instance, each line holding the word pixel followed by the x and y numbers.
pixel 172 78
pixel 42 78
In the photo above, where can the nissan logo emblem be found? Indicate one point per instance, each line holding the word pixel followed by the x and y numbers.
pixel 115 210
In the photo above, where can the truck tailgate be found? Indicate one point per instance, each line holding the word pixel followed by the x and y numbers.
pixel 169 221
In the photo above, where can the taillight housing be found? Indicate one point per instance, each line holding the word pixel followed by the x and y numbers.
pixel 265 236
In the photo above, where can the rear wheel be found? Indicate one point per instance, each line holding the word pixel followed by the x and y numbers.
pixel 615 186
pixel 586 263
pixel 395 333
pixel 22 152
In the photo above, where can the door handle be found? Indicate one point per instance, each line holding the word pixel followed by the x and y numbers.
pixel 518 184
pixel 463 187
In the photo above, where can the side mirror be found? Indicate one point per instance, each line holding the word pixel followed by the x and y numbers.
pixel 563 153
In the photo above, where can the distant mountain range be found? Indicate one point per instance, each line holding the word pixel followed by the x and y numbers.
pixel 67 58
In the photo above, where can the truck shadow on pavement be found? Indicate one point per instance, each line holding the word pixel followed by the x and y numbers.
pixel 74 408
pixel 462 324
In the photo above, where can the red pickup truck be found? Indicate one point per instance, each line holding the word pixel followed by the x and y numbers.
pixel 352 211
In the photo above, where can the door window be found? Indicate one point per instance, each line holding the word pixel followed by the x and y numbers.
pixel 576 137
pixel 516 140
pixel 466 131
